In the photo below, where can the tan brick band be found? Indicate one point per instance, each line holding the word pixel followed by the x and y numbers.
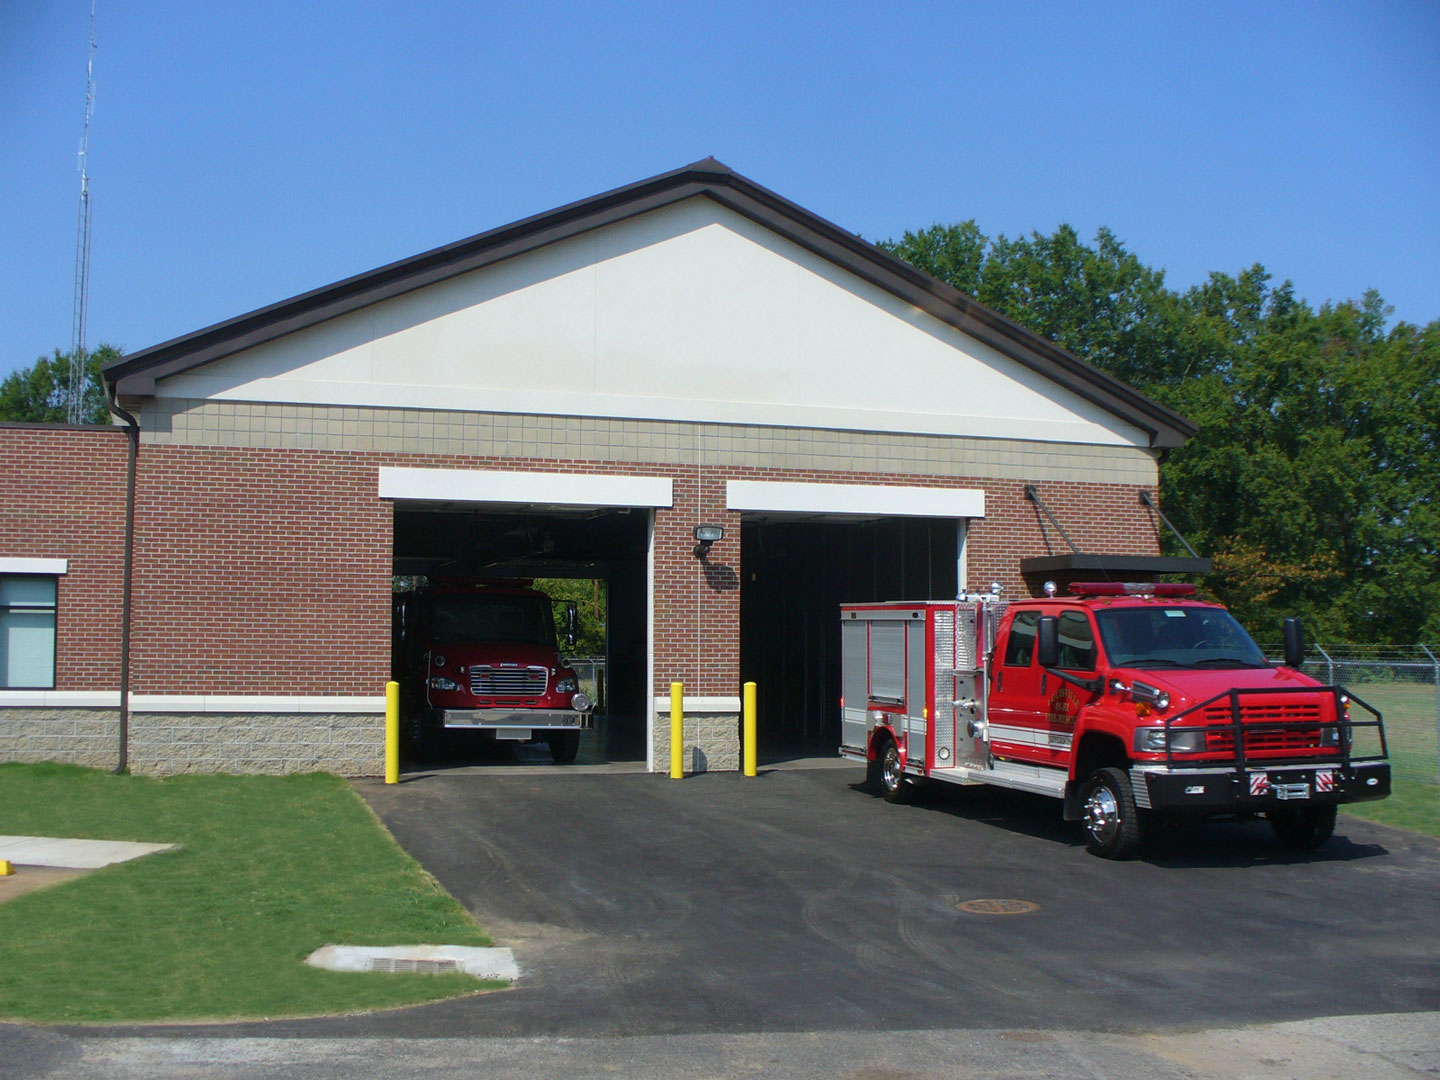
pixel 564 438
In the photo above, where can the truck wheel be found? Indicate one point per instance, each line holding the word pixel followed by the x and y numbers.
pixel 1303 828
pixel 564 745
pixel 895 785
pixel 1112 821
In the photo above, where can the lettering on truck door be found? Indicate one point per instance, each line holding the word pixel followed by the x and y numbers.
pixel 1063 699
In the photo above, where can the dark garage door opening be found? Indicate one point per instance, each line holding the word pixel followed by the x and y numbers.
pixel 796 576
pixel 608 545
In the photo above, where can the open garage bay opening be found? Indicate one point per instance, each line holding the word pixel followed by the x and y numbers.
pixel 591 560
pixel 796 575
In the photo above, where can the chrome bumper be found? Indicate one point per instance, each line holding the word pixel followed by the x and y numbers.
pixel 535 719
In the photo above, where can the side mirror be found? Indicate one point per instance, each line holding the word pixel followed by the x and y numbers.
pixel 572 623
pixel 1047 641
pixel 1294 643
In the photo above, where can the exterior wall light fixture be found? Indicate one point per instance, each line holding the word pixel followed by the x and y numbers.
pixel 706 535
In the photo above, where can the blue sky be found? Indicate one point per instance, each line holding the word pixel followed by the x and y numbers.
pixel 242 153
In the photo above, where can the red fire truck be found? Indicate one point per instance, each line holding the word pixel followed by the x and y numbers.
pixel 481 656
pixel 1129 702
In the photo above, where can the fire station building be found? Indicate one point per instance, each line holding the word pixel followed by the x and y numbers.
pixel 571 395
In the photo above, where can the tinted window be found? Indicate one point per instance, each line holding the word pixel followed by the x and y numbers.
pixel 1020 648
pixel 27 632
pixel 1176 636
pixel 1077 642
pixel 487 618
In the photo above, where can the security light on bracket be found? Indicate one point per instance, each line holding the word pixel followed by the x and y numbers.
pixel 707 535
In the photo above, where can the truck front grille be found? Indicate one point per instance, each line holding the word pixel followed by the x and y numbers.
pixel 507 681
pixel 1269 728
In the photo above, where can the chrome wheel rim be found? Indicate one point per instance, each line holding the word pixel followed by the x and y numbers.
pixel 1102 814
pixel 892 771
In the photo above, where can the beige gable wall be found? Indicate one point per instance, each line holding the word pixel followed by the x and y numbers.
pixel 689 313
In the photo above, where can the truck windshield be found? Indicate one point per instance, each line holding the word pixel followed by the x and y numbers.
pixel 491 619
pixel 1176 637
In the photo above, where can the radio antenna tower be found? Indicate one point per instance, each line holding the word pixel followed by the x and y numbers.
pixel 74 412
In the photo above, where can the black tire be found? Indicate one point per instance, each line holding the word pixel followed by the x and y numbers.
pixel 872 776
pixel 894 784
pixel 1302 828
pixel 1113 824
pixel 564 745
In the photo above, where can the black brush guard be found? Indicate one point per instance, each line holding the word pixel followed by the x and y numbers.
pixel 1210 785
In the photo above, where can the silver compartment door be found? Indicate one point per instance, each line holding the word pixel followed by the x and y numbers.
pixel 916 667
pixel 854 683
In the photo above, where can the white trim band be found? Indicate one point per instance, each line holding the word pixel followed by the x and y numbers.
pixel 254 703
pixel 59 699
pixel 872 500
pixel 1031 736
pixel 524 488
pixel 192 703
pixel 34 566
pixel 701 706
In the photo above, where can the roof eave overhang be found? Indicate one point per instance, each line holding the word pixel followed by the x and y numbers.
pixel 137 373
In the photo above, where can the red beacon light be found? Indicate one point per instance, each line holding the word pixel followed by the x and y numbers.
pixel 1131 588
pixel 1097 588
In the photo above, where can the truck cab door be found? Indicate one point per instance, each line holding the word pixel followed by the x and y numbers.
pixel 1016 710
pixel 1059 699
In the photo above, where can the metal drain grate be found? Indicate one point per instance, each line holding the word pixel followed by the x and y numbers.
pixel 999 907
pixel 419 967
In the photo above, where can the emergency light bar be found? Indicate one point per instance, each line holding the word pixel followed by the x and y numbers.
pixel 1130 588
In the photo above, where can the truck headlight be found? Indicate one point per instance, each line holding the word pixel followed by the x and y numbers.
pixel 567 686
pixel 1152 740
pixel 439 682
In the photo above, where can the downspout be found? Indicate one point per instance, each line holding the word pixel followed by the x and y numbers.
pixel 133 433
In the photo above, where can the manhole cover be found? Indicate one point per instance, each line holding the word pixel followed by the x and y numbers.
pixel 998 907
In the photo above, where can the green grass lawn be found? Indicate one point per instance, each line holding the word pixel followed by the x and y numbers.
pixel 1412 805
pixel 1410 726
pixel 269 869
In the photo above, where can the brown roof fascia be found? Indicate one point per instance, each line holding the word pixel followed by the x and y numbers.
pixel 136 373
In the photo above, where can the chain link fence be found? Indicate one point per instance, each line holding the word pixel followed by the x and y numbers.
pixel 1402 683
pixel 591 672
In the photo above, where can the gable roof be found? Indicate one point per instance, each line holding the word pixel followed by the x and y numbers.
pixel 136 373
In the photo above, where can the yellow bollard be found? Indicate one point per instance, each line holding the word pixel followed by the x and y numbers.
pixel 392 732
pixel 677 731
pixel 6 868
pixel 751 753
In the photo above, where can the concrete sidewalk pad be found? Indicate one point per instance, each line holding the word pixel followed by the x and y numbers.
pixel 75 854
pixel 430 959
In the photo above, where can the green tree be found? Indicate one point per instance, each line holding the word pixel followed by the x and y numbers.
pixel 590 597
pixel 40 394
pixel 1312 480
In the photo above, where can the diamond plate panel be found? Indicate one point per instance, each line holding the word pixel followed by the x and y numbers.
pixel 945 687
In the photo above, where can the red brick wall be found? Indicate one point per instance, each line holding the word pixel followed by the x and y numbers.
pixel 1099 518
pixel 62 496
pixel 697 615
pixel 268 571
pixel 260 571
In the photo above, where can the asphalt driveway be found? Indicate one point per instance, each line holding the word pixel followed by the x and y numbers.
pixel 718 907
pixel 798 901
